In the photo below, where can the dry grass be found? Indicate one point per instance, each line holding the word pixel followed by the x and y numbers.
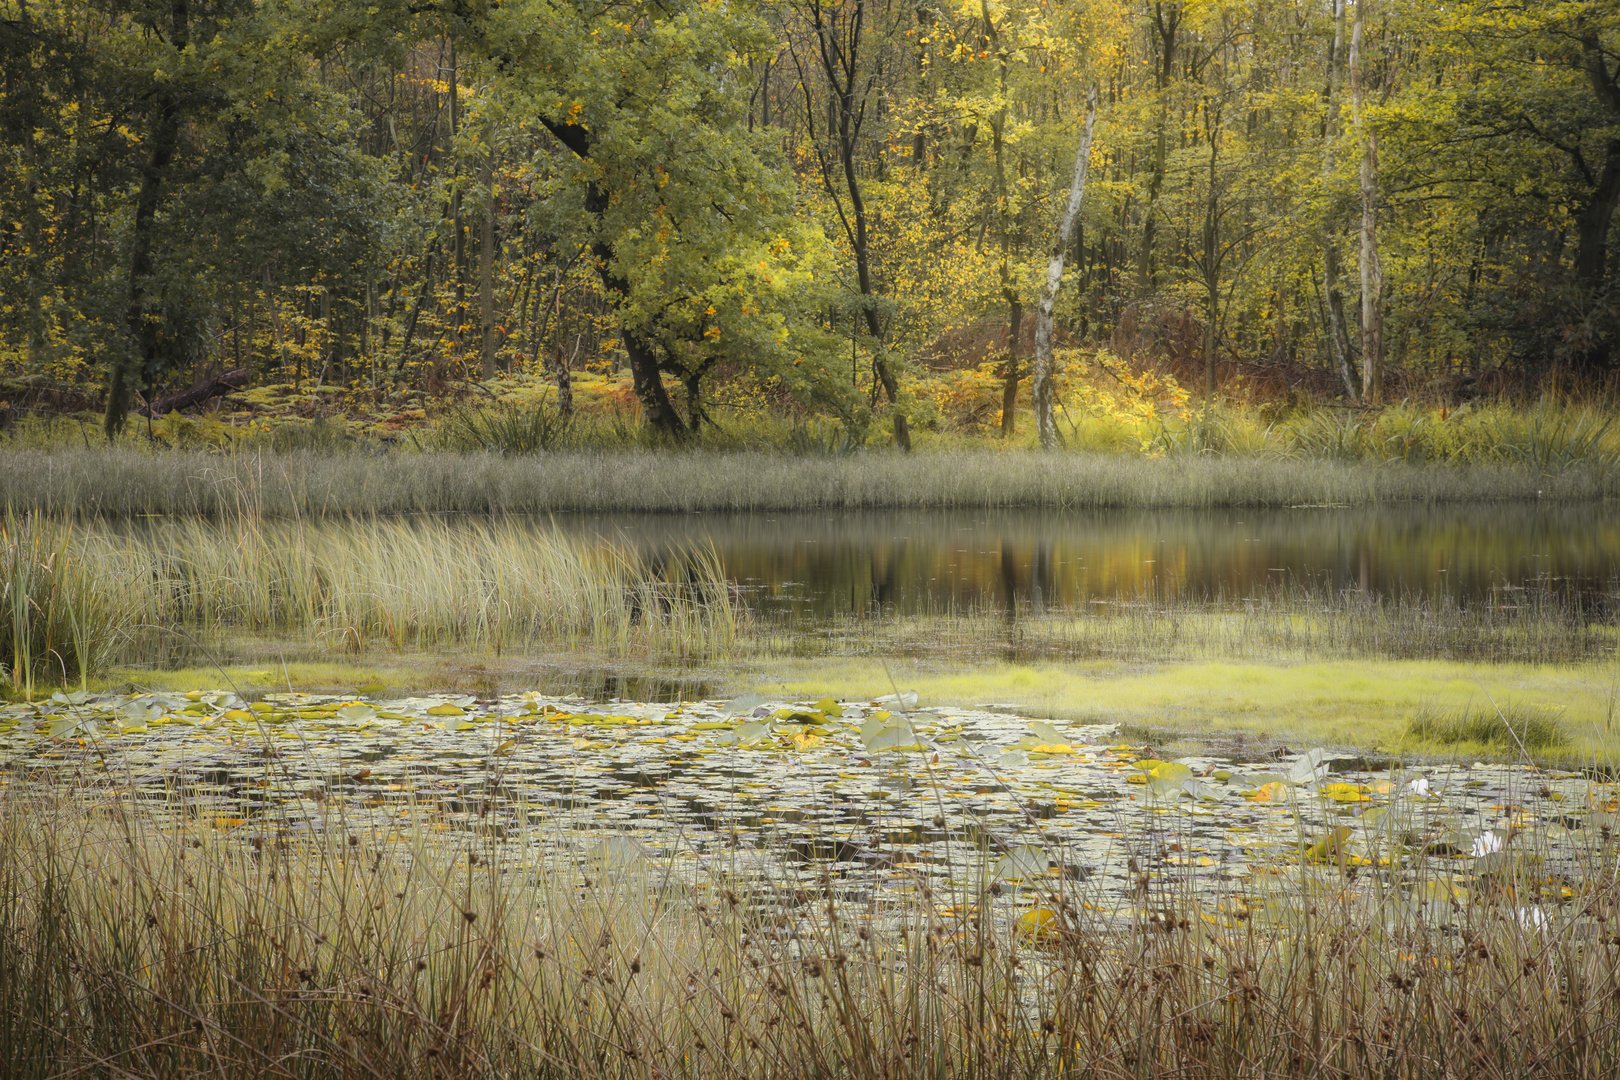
pixel 120 482
pixel 140 939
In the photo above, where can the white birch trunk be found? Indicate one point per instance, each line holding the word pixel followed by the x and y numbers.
pixel 1372 272
pixel 1045 317
pixel 1338 336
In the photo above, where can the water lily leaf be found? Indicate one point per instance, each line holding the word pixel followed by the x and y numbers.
pixel 371 688
pixel 446 710
pixel 829 707
pixel 1275 791
pixel 711 727
pixel 1341 793
pixel 745 734
pixel 1039 922
pixel 804 740
pixel 1373 814
pixel 906 699
pixel 1012 759
pixel 1310 767
pixel 1051 748
pixel 1024 861
pixel 63 726
pixel 874 724
pixel 262 707
pixel 900 737
pixel 1165 785
pixel 742 705
pixel 1045 732
pixel 1330 848
pixel 617 852
pixel 355 714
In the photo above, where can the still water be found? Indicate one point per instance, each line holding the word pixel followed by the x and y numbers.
pixel 822 565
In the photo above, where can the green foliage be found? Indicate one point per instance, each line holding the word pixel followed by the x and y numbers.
pixel 506 428
pixel 392 198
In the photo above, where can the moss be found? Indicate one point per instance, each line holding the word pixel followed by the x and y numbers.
pixel 1370 706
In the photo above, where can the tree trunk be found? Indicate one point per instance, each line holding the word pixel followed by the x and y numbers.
pixel 139 363
pixel 846 107
pixel 1009 386
pixel 1372 274
pixel 1337 333
pixel 1004 230
pixel 206 390
pixel 1212 262
pixel 1166 25
pixel 1593 221
pixel 458 237
pixel 1592 226
pixel 486 268
pixel 1045 316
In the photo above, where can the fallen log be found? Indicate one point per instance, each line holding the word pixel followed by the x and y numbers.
pixel 203 391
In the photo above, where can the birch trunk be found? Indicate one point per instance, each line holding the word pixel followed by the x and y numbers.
pixel 1338 335
pixel 1041 374
pixel 1372 272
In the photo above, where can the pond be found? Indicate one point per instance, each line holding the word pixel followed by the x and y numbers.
pixel 819 566
pixel 881 798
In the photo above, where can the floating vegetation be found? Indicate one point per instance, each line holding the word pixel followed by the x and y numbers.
pixel 476 887
pixel 882 796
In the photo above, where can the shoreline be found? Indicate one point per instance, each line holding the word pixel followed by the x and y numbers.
pixel 116 483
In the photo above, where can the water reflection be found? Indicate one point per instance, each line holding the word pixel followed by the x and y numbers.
pixel 822 565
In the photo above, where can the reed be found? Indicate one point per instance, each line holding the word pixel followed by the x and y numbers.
pixel 79 598
pixel 55 625
pixel 115 483
pixel 143 939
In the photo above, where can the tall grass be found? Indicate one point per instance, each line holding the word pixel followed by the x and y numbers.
pixel 55 625
pixel 76 597
pixel 162 945
pixel 1277 622
pixel 119 483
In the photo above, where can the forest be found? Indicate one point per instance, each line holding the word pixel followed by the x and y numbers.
pixel 882 215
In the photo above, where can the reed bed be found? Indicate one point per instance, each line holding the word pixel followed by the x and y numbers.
pixel 117 483
pixel 1278 622
pixel 147 941
pixel 101 594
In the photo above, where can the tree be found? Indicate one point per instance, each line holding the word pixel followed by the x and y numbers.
pixel 182 147
pixel 841 54
pixel 682 202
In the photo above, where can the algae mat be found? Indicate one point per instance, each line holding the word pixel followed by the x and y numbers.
pixel 872 801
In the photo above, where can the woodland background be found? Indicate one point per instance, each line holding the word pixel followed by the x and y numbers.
pixel 694 212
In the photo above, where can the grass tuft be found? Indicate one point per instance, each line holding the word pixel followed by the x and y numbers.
pixel 1515 725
